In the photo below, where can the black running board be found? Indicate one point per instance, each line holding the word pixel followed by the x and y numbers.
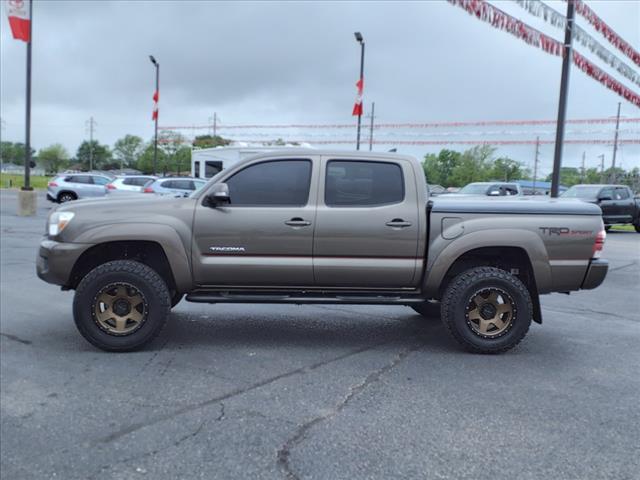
pixel 373 299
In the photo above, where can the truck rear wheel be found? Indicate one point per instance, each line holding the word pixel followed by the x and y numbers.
pixel 121 305
pixel 487 310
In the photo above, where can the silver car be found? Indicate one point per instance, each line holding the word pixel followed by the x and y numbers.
pixel 128 184
pixel 175 186
pixel 74 186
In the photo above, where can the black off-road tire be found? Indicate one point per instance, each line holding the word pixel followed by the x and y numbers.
pixel 456 299
pixel 64 197
pixel 430 310
pixel 146 280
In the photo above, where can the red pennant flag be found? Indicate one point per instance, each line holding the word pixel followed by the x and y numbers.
pixel 156 97
pixel 19 19
pixel 357 107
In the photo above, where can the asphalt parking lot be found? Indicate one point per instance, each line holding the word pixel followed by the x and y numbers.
pixel 323 392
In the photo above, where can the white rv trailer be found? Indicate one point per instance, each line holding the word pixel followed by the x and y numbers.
pixel 206 162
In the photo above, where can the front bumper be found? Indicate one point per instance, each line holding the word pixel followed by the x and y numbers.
pixel 56 260
pixel 596 272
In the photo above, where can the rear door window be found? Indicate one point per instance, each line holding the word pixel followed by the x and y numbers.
pixel 85 179
pixel 182 184
pixel 354 183
pixel 100 180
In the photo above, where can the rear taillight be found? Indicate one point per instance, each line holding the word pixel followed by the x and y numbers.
pixel 148 190
pixel 111 186
pixel 52 184
pixel 599 244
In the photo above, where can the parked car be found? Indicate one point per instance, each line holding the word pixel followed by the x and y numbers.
pixel 617 202
pixel 175 186
pixel 65 188
pixel 490 189
pixel 435 190
pixel 321 227
pixel 128 184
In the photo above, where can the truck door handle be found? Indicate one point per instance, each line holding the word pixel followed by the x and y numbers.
pixel 398 223
pixel 297 222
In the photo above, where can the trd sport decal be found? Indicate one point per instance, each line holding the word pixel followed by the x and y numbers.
pixel 564 231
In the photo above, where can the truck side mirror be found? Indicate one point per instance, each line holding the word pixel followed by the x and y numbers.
pixel 219 195
pixel 604 197
pixel 494 193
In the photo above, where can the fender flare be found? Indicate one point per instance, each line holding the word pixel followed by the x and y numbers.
pixel 164 235
pixel 528 241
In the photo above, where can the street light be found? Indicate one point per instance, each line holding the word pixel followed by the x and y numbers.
pixel 155 139
pixel 360 40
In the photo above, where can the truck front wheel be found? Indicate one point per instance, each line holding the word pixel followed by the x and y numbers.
pixel 121 305
pixel 487 310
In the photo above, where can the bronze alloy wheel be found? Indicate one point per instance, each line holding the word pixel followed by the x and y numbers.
pixel 119 309
pixel 490 312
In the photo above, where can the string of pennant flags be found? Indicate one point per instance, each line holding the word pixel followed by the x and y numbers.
pixel 499 19
pixel 556 19
pixel 475 123
pixel 598 141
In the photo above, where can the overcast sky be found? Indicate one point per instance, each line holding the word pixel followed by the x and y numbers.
pixel 285 62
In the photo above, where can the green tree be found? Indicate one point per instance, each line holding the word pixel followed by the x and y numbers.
pixel 145 161
pixel 11 152
pixel 438 168
pixel 210 141
pixel 100 153
pixel 180 161
pixel 507 169
pixel 127 150
pixel 474 166
pixel 53 158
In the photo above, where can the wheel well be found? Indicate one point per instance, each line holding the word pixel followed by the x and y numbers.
pixel 67 191
pixel 514 260
pixel 147 252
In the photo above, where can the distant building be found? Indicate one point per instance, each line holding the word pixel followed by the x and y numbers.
pixel 13 169
pixel 206 162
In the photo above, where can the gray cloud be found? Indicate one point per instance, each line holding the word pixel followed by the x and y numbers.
pixel 279 62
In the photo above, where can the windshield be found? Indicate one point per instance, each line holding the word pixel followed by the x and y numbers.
pixel 474 189
pixel 582 192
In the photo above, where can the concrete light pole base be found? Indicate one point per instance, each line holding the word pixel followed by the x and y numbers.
pixel 27 203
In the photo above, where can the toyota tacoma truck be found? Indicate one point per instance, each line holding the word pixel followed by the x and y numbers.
pixel 312 227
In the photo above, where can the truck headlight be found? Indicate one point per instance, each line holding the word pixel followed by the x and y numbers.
pixel 58 221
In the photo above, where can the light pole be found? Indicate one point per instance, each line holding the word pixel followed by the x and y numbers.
pixel 360 40
pixel 155 113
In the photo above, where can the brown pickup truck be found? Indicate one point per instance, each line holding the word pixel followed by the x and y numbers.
pixel 310 226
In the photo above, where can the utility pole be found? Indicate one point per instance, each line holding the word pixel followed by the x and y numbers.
pixel 535 165
pixel 91 123
pixel 615 147
pixel 372 116
pixel 582 168
pixel 562 103
pixel 214 122
pixel 601 157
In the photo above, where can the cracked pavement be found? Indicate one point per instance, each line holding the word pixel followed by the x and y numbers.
pixel 323 392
